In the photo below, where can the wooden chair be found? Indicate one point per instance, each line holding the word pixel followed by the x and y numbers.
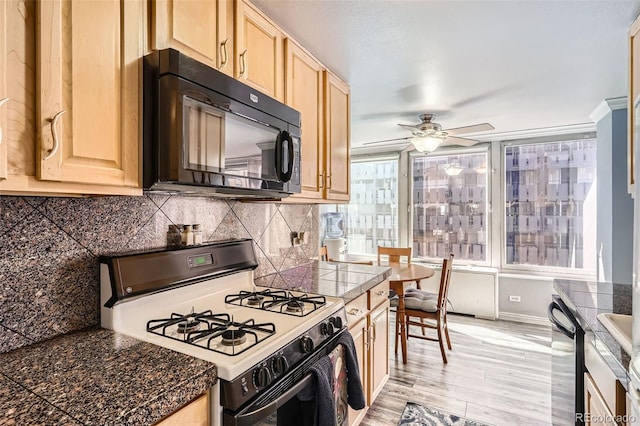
pixel 323 254
pixel 394 254
pixel 419 304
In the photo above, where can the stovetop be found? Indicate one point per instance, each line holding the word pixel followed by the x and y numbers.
pixel 280 301
pixel 141 318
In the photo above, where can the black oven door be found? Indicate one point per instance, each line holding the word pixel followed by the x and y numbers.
pixel 279 404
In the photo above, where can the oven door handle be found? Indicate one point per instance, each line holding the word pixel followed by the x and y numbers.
pixel 253 417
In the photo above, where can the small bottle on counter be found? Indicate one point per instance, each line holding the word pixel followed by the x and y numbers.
pixel 187 236
pixel 197 234
pixel 174 239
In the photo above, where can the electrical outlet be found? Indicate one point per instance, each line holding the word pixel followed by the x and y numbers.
pixel 513 298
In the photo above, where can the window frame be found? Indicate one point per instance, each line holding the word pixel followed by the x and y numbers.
pixel 477 149
pixel 538 270
pixel 370 158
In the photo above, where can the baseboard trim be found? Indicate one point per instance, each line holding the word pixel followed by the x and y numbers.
pixel 529 319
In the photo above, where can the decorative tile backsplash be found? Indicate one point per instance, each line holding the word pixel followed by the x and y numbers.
pixel 50 248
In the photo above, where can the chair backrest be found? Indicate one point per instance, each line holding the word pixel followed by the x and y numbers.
pixel 323 254
pixel 394 254
pixel 445 278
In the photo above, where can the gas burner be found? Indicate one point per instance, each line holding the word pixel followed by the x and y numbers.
pixel 233 337
pixel 295 306
pixel 215 332
pixel 255 299
pixel 188 325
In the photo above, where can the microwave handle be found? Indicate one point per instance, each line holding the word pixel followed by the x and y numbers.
pixel 282 175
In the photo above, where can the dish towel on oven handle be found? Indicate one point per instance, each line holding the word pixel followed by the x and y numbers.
pixel 337 381
pixel 354 384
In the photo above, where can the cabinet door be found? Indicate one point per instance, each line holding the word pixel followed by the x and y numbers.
pixel 17 88
pixel 379 351
pixel 595 407
pixel 258 51
pixel 198 28
pixel 358 331
pixel 88 79
pixel 196 413
pixel 337 140
pixel 634 98
pixel 304 92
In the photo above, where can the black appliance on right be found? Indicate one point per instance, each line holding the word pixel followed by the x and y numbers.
pixel 567 364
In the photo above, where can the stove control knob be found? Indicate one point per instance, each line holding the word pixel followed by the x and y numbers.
pixel 279 365
pixel 262 377
pixel 337 322
pixel 326 328
pixel 306 344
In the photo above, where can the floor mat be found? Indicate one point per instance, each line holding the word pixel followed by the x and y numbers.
pixel 419 415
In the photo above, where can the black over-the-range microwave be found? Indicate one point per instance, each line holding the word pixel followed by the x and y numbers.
pixel 205 132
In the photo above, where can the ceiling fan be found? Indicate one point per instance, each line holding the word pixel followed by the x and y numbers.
pixel 428 135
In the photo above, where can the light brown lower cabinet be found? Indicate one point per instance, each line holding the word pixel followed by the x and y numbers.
pixel 596 410
pixel 368 318
pixel 195 413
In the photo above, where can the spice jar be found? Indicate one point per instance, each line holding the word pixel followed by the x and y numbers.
pixel 197 234
pixel 187 236
pixel 174 239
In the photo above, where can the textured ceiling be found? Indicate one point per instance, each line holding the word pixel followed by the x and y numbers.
pixel 519 65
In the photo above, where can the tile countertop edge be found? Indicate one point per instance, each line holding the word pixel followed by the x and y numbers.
pixel 60 389
pixel 580 293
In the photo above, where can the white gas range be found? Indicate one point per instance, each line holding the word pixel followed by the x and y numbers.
pixel 202 302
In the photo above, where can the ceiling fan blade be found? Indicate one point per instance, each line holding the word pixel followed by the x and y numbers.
pixel 386 140
pixel 455 140
pixel 470 129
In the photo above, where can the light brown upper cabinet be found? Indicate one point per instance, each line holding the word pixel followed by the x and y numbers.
pixel 258 51
pixel 634 99
pixel 88 81
pixel 201 29
pixel 337 139
pixel 304 92
pixel 70 72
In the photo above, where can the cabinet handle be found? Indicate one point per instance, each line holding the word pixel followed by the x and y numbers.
pixel 54 133
pixel 366 340
pixel 321 176
pixel 242 64
pixel 380 292
pixel 223 53
pixel 373 335
pixel 328 181
pixel 2 102
pixel 354 311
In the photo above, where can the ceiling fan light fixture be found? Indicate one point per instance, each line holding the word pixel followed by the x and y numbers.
pixel 453 169
pixel 429 142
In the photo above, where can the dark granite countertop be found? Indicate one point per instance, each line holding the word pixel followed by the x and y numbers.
pixel 344 280
pixel 590 298
pixel 97 377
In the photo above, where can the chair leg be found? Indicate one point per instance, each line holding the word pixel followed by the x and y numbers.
pixel 397 334
pixel 422 322
pixel 446 331
pixel 441 342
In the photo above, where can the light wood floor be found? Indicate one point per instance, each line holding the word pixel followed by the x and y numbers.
pixel 499 372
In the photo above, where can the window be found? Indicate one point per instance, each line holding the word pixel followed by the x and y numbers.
pixel 550 199
pixel 449 200
pixel 372 214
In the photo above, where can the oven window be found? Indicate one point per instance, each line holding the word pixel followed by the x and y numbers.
pixel 220 141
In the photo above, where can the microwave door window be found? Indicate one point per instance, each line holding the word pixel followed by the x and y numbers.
pixel 204 132
pixel 249 149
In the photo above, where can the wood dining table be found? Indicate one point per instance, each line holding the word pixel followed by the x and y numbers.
pixel 402 275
